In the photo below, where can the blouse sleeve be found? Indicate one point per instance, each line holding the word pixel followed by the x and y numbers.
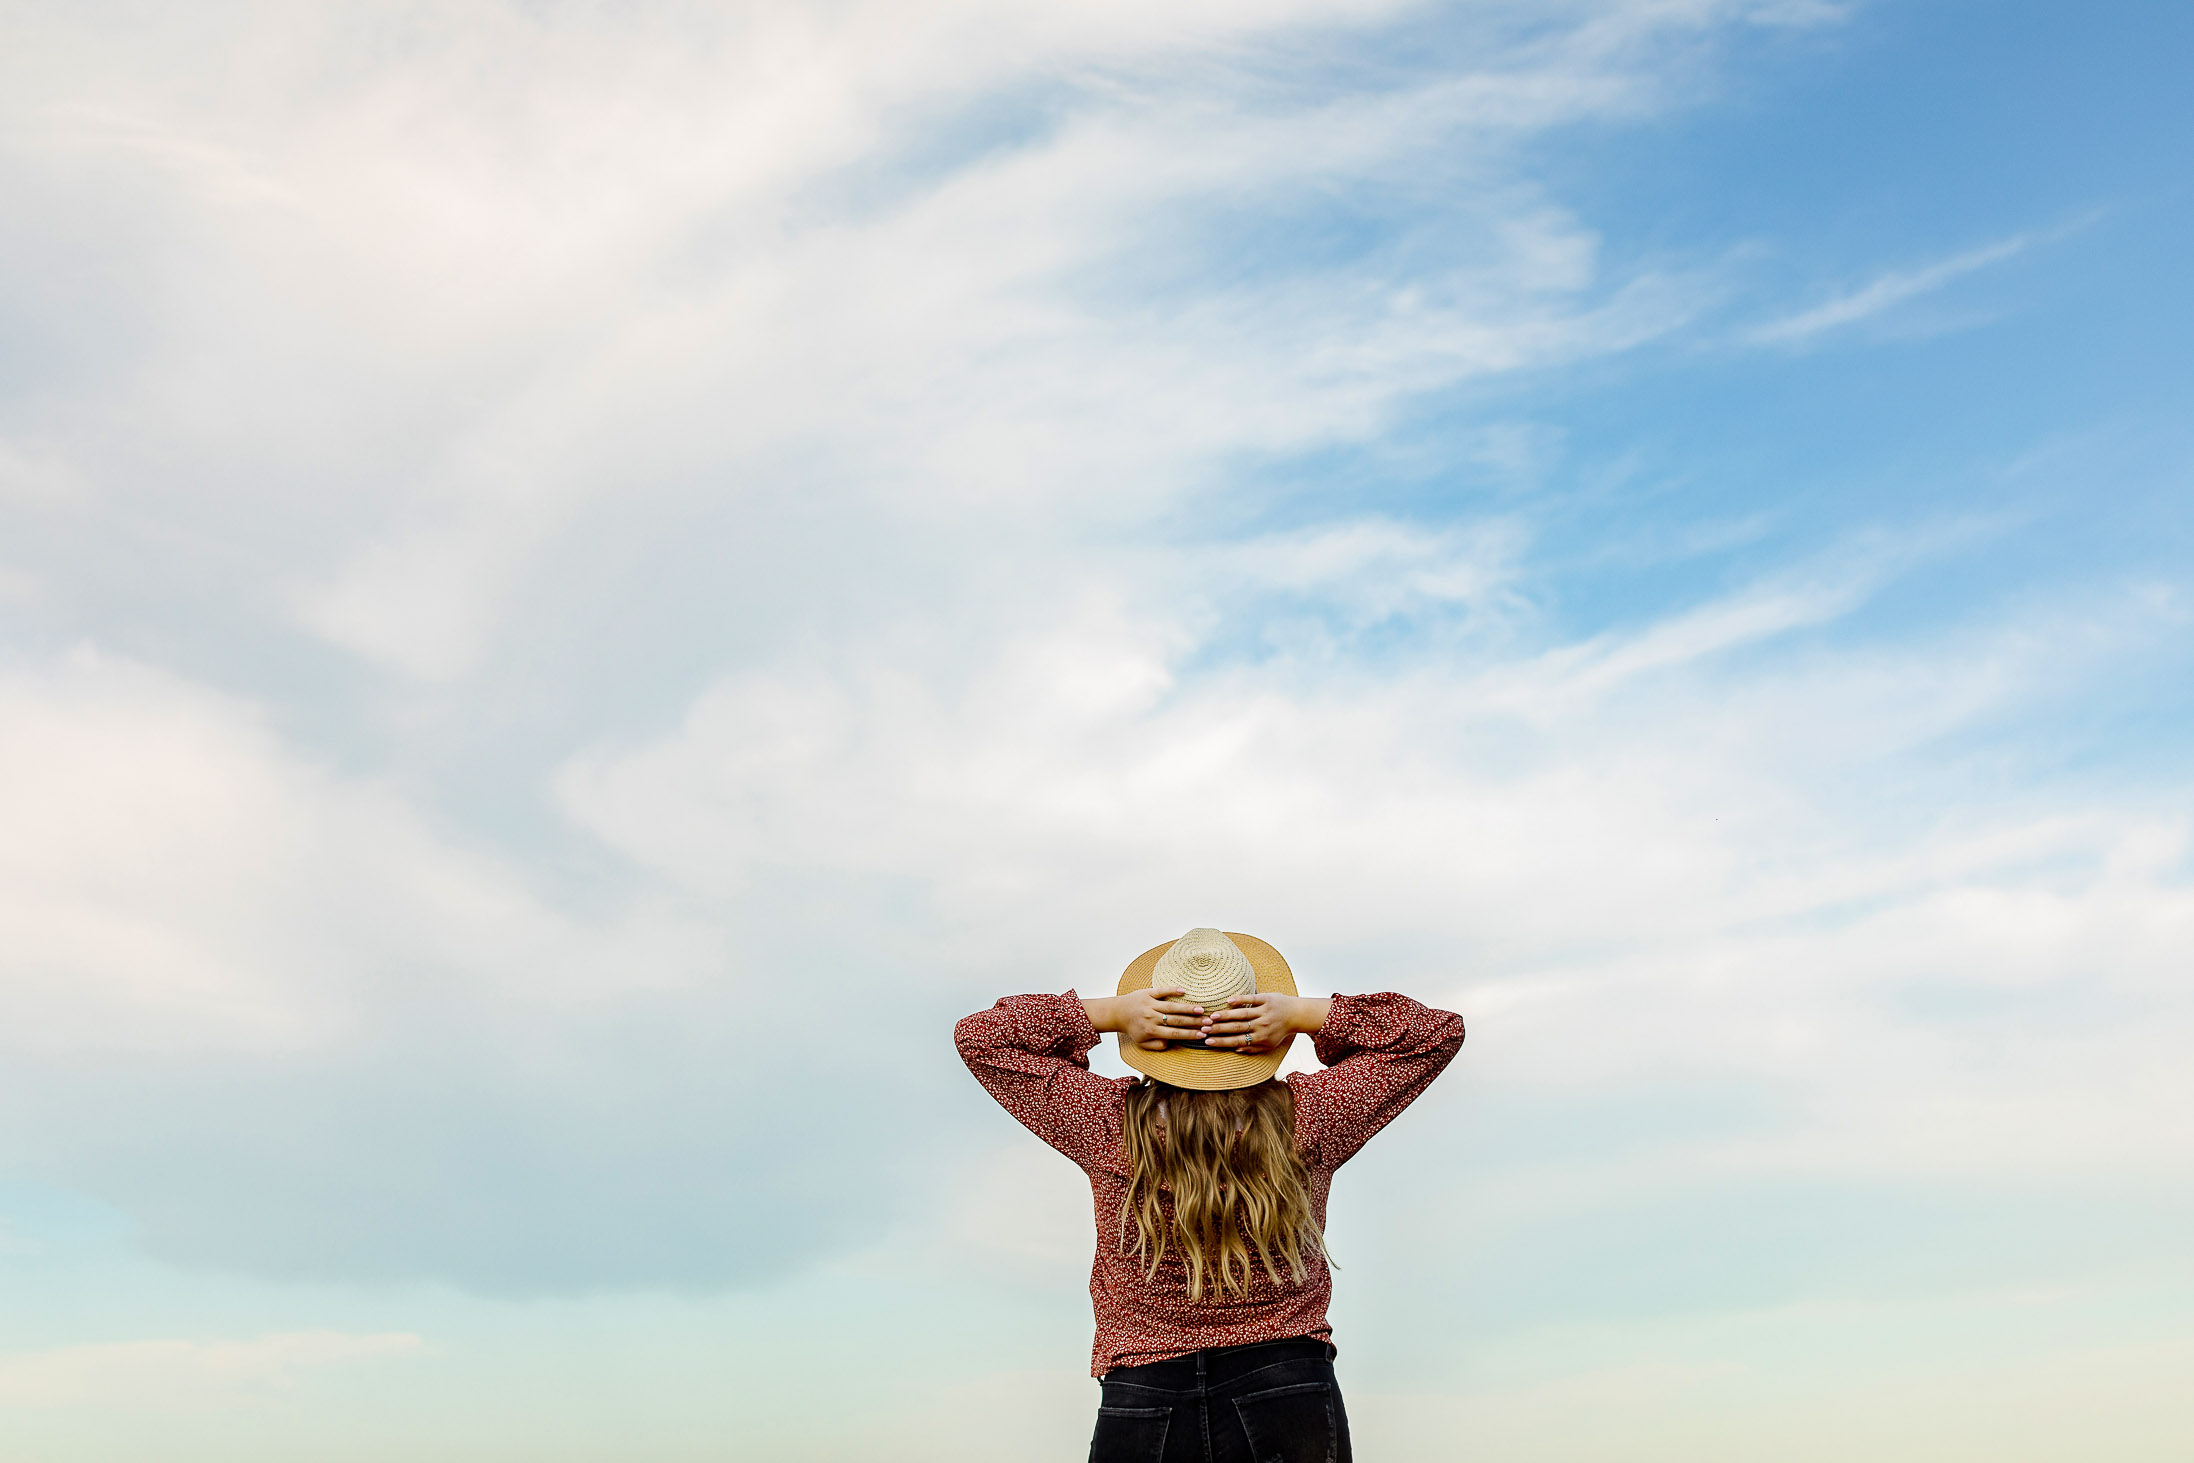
pixel 1032 1054
pixel 1380 1052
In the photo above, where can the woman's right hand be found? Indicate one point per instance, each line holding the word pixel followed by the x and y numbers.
pixel 1150 1019
pixel 1254 1024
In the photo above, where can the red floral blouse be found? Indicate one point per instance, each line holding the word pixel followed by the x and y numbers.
pixel 1032 1053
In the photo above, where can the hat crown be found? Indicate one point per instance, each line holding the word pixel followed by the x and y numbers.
pixel 1209 966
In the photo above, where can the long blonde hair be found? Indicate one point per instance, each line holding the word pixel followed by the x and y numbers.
pixel 1228 1162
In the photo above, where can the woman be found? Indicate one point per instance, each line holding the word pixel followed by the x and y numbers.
pixel 1210 1178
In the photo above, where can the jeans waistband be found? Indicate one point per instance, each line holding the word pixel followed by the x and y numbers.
pixel 1215 1365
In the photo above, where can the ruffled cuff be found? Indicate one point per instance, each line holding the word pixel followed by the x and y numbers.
pixel 1385 1022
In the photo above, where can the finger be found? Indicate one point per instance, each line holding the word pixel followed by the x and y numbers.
pixel 1257 999
pixel 1181 1008
pixel 1227 1022
pixel 1149 1045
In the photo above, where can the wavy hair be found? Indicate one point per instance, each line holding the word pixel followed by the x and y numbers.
pixel 1215 1176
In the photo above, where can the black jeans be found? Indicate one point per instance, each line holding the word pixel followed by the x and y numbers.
pixel 1268 1402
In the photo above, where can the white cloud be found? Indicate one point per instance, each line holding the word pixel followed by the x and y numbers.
pixel 623 535
pixel 1813 1383
pixel 1883 293
pixel 182 1374
pixel 427 288
pixel 172 878
pixel 827 422
pixel 1374 570
pixel 33 471
pixel 1675 863
pixel 278 1015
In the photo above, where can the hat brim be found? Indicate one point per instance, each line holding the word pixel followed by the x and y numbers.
pixel 1201 1069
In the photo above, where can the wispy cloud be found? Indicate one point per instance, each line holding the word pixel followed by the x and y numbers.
pixel 169 1374
pixel 1884 293
pixel 671 274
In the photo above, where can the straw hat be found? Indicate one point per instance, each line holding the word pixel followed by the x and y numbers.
pixel 1211 967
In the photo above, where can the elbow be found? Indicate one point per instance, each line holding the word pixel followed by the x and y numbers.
pixel 1450 1039
pixel 976 1035
pixel 1447 1025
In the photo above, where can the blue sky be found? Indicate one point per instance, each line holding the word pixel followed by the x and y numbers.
pixel 576 583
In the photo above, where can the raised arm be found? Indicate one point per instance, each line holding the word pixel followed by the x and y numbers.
pixel 1032 1054
pixel 1380 1052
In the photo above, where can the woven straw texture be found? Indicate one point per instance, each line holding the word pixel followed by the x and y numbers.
pixel 1199 1068
pixel 1209 966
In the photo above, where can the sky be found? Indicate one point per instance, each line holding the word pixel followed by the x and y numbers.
pixel 577 581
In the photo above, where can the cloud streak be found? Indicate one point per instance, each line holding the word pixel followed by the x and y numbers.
pixel 167 1375
pixel 1883 293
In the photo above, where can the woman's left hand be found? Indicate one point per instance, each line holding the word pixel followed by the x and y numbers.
pixel 1253 1024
